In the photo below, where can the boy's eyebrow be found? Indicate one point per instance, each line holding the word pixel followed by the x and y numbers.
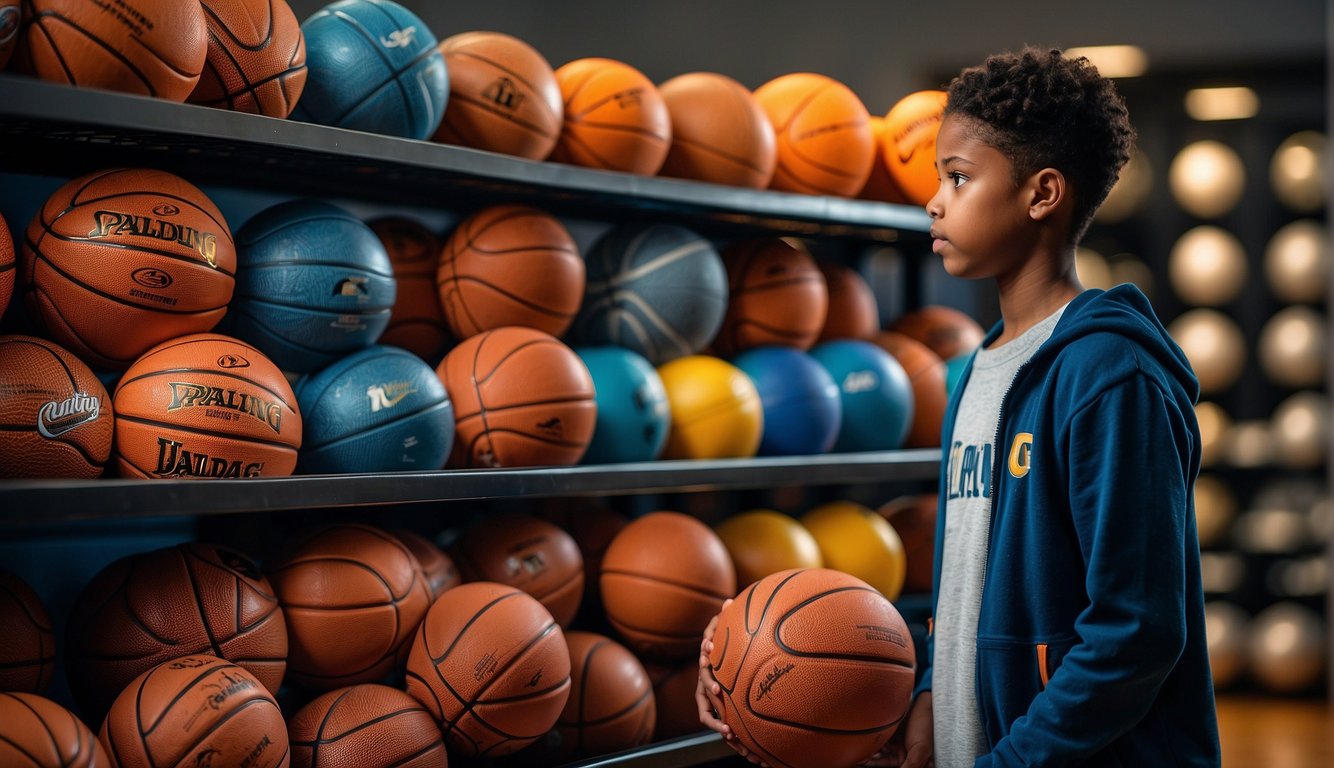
pixel 954 159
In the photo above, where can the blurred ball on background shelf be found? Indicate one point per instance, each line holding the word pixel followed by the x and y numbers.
pixel 1214 425
pixel 503 96
pixel 954 368
pixel 1248 444
pixel 1215 508
pixel 1225 628
pixel 8 266
pixel 256 58
pixel 674 699
pixel 11 17
pixel 1299 577
pixel 1270 531
pixel 946 330
pixel 715 409
pixel 1320 520
pixel 880 185
pixel 526 552
pixel 1292 347
pixel 614 118
pixel 914 520
pixel 909 144
pixel 1129 192
pixel 366 725
pixel 1128 268
pixel 1221 572
pixel 776 295
pixel 1300 430
pixel 765 541
pixel 415 321
pixel 1296 261
pixel 853 312
pixel 1207 178
pixel 57 418
pixel 1287 648
pixel 801 405
pixel 634 416
pixel 611 705
pixel 1213 344
pixel 876 393
pixel 823 131
pixel 927 373
pixel 857 540
pixel 36 731
pixel 1297 171
pixel 28 646
pixel 439 568
pixel 1207 266
pixel 719 132
pixel 1092 269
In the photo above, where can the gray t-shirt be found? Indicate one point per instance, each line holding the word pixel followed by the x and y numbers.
pixel 959 739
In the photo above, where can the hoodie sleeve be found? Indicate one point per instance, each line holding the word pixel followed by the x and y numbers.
pixel 1130 457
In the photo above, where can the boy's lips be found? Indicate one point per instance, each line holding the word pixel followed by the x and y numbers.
pixel 937 241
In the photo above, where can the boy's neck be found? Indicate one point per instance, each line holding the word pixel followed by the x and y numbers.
pixel 1031 294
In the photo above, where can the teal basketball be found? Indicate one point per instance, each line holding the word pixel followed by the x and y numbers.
pixel 633 414
pixel 875 392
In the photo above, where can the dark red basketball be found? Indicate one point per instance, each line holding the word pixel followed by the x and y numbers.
pixel 27 642
pixel 776 295
pixel 416 322
pixel 365 725
pixel 256 59
pixel 37 732
pixel 611 705
pixel 525 552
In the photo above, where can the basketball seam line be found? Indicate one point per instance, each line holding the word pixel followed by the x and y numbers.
pixel 271 23
pixel 401 418
pixel 117 299
pixel 503 68
pixel 91 354
pixel 230 98
pixel 199 605
pixel 42 15
pixel 324 722
pixel 179 694
pixel 51 41
pixel 322 739
pixel 469 706
pixel 369 312
pixel 237 712
pixel 729 156
pixel 39 661
pixel 298 262
pixel 520 300
pixel 45 726
pixel 207 432
pixel 180 342
pixel 408 760
pixel 393 79
pixel 506 116
pixel 224 374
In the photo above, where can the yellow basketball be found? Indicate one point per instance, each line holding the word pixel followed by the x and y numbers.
pixel 856 540
pixel 715 407
pixel 763 541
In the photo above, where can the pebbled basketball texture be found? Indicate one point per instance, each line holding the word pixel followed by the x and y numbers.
pixel 256 58
pixel 719 132
pixel 28 643
pixel 8 262
pixel 36 731
pixel 365 725
pixel 416 322
pixel 56 419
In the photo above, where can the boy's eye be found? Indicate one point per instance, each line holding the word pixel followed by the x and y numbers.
pixel 957 178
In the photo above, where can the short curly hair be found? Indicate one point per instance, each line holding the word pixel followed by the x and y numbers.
pixel 1043 110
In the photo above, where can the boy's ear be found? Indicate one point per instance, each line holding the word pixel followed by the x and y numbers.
pixel 1047 191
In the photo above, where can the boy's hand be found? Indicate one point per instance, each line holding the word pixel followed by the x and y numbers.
pixel 913 744
pixel 708 693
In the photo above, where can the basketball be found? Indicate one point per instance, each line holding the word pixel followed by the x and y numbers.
pixel 503 96
pixel 663 578
pixel 352 596
pixel 491 666
pixel 853 310
pixel 913 518
pixel 823 131
pixel 856 540
pixel 378 410
pixel 156 48
pixel 926 371
pixel 372 65
pixel 315 284
pixel 674 699
pixel 593 525
pixel 510 265
pixel 908 144
pixel 764 541
pixel 614 118
pixel 611 705
pixel 415 321
pixel 801 407
pixel 776 295
pixel 633 414
pixel 528 553
pixel 205 406
pixel 195 710
pixel 148 608
pixel 28 645
pixel 8 263
pixel 118 261
pixel 715 409
pixel 11 15
pixel 521 399
pixel 55 417
pixel 947 331
pixel 657 289
pixel 256 59
pixel 881 186
pixel 816 668
pixel 36 731
pixel 719 132
pixel 875 392
pixel 438 568
pixel 371 726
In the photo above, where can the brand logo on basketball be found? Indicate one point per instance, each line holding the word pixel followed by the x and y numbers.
pixel 56 417
pixel 256 751
pixel 860 381
pixel 914 136
pixel 190 662
pixel 771 679
pixel 205 759
pixel 399 38
pixel 166 209
pixel 9 23
pixel 484 667
pixel 115 224
pixel 502 93
pixel 385 396
pixel 532 681
pixel 233 361
pixel 551 426
pixel 226 689
pixel 884 634
pixel 187 395
pixel 630 98
pixel 351 286
pixel 348 323
pixel 149 277
pixel 174 461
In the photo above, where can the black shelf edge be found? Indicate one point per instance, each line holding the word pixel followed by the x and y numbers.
pixel 80 129
pixel 680 752
pixel 26 502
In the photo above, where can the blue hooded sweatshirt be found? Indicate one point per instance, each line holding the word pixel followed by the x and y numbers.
pixel 1090 645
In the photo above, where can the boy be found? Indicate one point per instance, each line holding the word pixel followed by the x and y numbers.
pixel 1068 611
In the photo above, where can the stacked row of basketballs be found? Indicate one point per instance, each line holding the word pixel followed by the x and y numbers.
pixel 374 66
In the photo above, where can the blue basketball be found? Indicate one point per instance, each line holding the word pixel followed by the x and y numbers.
pixel 379 410
pixel 875 391
pixel 657 289
pixel 313 283
pixel 802 408
pixel 372 65
pixel 633 414
pixel 954 371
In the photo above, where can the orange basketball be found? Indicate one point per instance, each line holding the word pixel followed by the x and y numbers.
pixel 926 371
pixel 256 59
pixel 415 321
pixel 491 666
pixel 35 731
pixel 503 96
pixel 674 699
pixel 663 578
pixel 593 525
pixel 853 311
pixel 611 705
pixel 816 668
pixel 825 142
pixel 151 607
pixel 195 710
pixel 8 264
pixel 352 595
pixel 55 416
pixel 365 725
pixel 615 119
pixel 914 519
pixel 11 14
pixel 909 144
pixel 947 331
pixel 880 185
pixel 120 260
pixel 510 265
pixel 525 552
pixel 439 569
pixel 205 406
pixel 719 132
pixel 28 643
pixel 776 295
pixel 521 399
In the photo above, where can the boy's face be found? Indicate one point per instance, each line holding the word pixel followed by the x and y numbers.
pixel 980 222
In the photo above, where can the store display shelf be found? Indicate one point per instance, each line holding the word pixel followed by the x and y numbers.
pixel 48 128
pixel 24 502
pixel 695 749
